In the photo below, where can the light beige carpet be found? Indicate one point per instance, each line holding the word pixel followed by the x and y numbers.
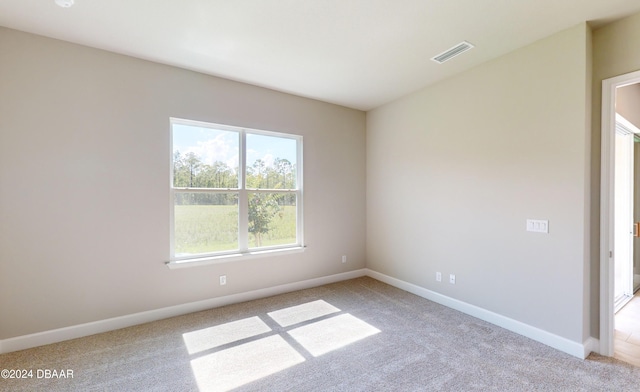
pixel 358 335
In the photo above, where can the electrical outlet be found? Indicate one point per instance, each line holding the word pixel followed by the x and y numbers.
pixel 452 279
pixel 344 259
pixel 438 276
pixel 223 280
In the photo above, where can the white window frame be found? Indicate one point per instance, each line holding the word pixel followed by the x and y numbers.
pixel 243 251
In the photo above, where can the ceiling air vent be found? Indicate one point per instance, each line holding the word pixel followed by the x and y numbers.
pixel 453 52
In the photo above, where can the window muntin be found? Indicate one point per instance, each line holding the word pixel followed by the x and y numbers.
pixel 234 190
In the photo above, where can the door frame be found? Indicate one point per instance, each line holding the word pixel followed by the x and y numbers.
pixel 607 221
pixel 623 232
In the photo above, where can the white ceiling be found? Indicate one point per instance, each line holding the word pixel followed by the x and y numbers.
pixel 356 53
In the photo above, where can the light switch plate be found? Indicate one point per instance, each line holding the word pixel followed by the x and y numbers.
pixel 538 226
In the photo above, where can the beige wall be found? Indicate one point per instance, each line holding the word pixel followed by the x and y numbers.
pixel 454 171
pixel 84 184
pixel 614 53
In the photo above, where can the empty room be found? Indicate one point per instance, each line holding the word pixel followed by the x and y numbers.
pixel 319 195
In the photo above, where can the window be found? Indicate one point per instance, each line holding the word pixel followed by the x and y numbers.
pixel 235 191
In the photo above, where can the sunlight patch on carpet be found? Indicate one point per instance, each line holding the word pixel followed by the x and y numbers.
pixel 243 351
pixel 331 334
pixel 208 338
pixel 240 365
pixel 299 313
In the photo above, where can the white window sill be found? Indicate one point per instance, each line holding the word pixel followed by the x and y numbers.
pixel 199 261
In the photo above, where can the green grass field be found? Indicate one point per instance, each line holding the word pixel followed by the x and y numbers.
pixel 211 228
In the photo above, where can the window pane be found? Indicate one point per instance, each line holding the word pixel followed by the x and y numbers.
pixel 205 222
pixel 271 162
pixel 204 157
pixel 272 219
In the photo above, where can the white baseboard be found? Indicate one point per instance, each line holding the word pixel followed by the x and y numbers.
pixel 580 350
pixel 78 331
